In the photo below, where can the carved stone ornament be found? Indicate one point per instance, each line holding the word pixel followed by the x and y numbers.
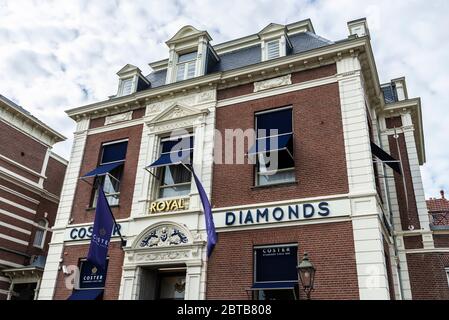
pixel 118 118
pixel 272 83
pixel 163 236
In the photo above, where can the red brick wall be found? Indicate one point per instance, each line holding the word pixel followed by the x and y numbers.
pixel 230 268
pixel 319 149
pixel 428 278
pixel 34 152
pixel 72 255
pixel 412 217
pixel 297 77
pixel 90 161
pixel 55 176
pixel 413 242
pixel 99 122
pixel 441 240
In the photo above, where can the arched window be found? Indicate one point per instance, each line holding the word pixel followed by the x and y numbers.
pixel 41 232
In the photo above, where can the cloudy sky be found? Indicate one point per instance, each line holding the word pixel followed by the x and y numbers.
pixel 56 55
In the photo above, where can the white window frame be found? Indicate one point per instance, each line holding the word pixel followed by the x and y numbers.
pixel 267 44
pixel 186 67
pixel 110 194
pixel 265 173
pixel 159 185
pixel 122 86
pixel 42 229
pixel 447 275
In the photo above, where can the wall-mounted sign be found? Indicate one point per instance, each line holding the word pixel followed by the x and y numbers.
pixel 168 205
pixel 91 277
pixel 85 232
pixel 276 263
pixel 282 213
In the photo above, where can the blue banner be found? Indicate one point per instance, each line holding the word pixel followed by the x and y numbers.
pixel 210 226
pixel 101 234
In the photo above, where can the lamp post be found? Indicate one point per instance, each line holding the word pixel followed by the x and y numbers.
pixel 306 274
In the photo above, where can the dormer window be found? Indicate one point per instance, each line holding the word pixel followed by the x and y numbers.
pixel 126 87
pixel 273 50
pixel 185 68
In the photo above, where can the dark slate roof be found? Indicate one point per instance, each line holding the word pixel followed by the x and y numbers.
pixel 157 78
pixel 389 92
pixel 251 55
pixel 237 59
pixel 306 41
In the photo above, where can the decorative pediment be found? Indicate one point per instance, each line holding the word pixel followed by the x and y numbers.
pixel 176 111
pixel 163 235
pixel 272 28
pixel 186 33
pixel 128 69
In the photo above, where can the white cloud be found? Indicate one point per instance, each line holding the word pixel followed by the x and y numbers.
pixel 56 55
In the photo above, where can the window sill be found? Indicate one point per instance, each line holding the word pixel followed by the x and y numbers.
pixel 275 185
pixel 93 208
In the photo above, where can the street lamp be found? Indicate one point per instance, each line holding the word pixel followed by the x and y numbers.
pixel 306 274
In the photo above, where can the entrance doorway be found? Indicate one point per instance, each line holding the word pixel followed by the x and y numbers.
pixel 162 283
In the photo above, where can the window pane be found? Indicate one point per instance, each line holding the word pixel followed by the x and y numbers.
pixel 275 161
pixel 126 86
pixel 38 238
pixel 280 120
pixel 175 191
pixel 272 49
pixel 177 144
pixel 190 69
pixel 279 177
pixel 187 57
pixel 114 152
pixel 175 174
pixel 180 72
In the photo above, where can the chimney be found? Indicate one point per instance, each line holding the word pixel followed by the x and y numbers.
pixel 442 194
pixel 358 28
pixel 401 88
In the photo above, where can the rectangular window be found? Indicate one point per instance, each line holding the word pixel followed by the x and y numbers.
pixel 447 274
pixel 185 68
pixel 111 153
pixel 175 179
pixel 126 87
pixel 273 49
pixel 274 147
pixel 275 274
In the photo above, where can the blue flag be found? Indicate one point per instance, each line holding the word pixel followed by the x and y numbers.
pixel 101 234
pixel 210 227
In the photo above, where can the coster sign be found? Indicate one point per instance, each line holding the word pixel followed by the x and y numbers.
pixel 85 232
pixel 282 213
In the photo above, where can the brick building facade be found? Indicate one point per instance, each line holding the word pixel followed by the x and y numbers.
pixel 31 178
pixel 346 188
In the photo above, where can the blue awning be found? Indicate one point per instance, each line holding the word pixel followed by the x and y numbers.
pixel 274 285
pixel 170 158
pixel 88 294
pixel 103 169
pixel 270 144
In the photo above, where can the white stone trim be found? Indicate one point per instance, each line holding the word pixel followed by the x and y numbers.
pixel 12 227
pixel 19 206
pixel 11 264
pixel 5 279
pixel 19 177
pixel 12 239
pixel 120 117
pixel 277 91
pixel 20 195
pixel 22 167
pixel 15 216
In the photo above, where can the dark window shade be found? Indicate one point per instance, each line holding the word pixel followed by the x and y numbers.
pixel 177 144
pixel 277 120
pixel 114 152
